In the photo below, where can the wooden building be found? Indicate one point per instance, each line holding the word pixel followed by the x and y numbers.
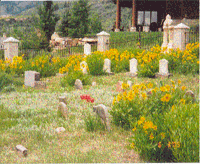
pixel 145 12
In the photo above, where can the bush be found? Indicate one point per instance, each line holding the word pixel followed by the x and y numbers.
pixel 95 63
pixel 5 80
pixel 72 76
pixel 156 115
pixel 93 123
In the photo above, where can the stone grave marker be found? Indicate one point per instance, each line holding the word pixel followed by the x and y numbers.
pixel 83 66
pixel 87 49
pixel 163 69
pixel 78 84
pixel 22 149
pixel 102 111
pixel 32 79
pixel 107 66
pixel 63 99
pixel 119 86
pixel 62 107
pixel 60 129
pixel 129 83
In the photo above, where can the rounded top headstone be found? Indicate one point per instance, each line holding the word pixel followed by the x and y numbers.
pixel 103 33
pixel 181 25
pixel 11 40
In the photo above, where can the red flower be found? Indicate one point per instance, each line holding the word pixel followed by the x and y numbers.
pixel 92 100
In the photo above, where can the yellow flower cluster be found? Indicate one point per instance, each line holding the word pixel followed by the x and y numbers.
pixel 166 98
pixel 73 63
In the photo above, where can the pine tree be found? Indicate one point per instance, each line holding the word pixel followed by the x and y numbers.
pixel 47 20
pixel 79 19
pixel 65 24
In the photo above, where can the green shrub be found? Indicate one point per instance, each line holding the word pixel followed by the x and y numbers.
pixel 72 76
pixel 5 80
pixel 93 123
pixel 95 63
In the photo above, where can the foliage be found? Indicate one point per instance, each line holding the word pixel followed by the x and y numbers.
pixel 95 63
pixel 72 76
pixel 65 24
pixel 95 25
pixel 93 123
pixel 155 113
pixel 47 20
pixel 79 19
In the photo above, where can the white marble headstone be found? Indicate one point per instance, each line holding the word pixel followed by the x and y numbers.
pixel 83 66
pixel 31 77
pixel 107 65
pixel 163 67
pixel 87 49
pixel 133 65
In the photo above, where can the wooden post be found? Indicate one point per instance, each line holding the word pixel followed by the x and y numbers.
pixel 117 18
pixel 133 26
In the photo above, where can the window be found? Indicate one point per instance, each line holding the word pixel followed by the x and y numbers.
pixel 147 17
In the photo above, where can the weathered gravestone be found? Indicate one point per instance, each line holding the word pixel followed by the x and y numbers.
pixel 133 67
pixel 63 99
pixel 87 49
pixel 32 79
pixel 102 111
pixel 107 66
pixel 60 129
pixel 22 149
pixel 63 109
pixel 83 66
pixel 129 83
pixel 78 84
pixel 163 69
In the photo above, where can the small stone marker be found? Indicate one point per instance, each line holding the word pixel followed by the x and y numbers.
pixel 78 84
pixel 32 79
pixel 107 66
pixel 22 149
pixel 94 83
pixel 83 66
pixel 63 99
pixel 163 69
pixel 119 86
pixel 87 49
pixel 63 109
pixel 129 83
pixel 60 129
pixel 102 111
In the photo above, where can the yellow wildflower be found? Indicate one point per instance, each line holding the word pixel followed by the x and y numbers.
pixel 182 101
pixel 151 136
pixel 183 88
pixel 169 144
pixel 179 81
pixel 162 135
pixel 134 129
pixel 159 144
pixel 132 145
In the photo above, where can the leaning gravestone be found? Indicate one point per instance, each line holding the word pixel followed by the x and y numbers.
pixel 63 109
pixel 102 111
pixel 83 66
pixel 22 149
pixel 87 49
pixel 32 79
pixel 78 84
pixel 163 69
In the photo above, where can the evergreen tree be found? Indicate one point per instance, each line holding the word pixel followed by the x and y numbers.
pixel 79 19
pixel 65 23
pixel 95 25
pixel 47 20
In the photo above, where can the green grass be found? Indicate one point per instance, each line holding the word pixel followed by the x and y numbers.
pixel 29 117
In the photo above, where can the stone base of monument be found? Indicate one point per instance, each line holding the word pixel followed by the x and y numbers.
pixel 159 75
pixel 131 74
pixel 39 84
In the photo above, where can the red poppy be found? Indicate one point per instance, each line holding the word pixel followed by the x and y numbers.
pixel 92 100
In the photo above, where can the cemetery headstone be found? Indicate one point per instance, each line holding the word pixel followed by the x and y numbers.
pixel 22 149
pixel 78 84
pixel 11 48
pixel 31 77
pixel 163 69
pixel 107 66
pixel 87 49
pixel 102 111
pixel 189 92
pixel 83 66
pixel 129 83
pixel 63 109
pixel 103 41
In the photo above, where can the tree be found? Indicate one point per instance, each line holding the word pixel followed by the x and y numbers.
pixel 47 20
pixel 95 25
pixel 79 19
pixel 65 23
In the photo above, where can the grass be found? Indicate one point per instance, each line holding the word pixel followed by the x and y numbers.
pixel 29 117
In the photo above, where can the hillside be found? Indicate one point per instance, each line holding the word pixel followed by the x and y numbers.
pixel 105 9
